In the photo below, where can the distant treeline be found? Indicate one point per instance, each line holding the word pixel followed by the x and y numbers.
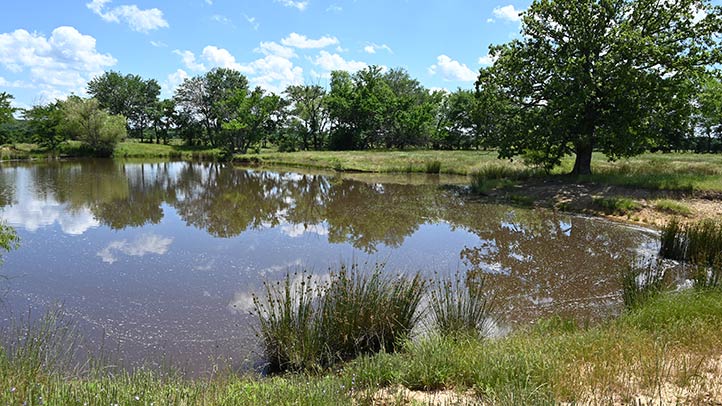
pixel 617 76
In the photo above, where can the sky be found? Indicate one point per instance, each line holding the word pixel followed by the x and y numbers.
pixel 51 48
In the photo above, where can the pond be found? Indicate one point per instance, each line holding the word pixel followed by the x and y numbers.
pixel 160 260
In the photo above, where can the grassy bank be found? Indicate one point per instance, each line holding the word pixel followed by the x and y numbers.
pixel 657 171
pixel 667 349
pixel 126 149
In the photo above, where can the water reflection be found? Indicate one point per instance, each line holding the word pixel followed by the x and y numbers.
pixel 166 255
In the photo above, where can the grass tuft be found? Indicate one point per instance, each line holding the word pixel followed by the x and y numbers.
pixel 433 167
pixel 312 325
pixel 616 205
pixel 672 207
pixel 461 307
pixel 640 284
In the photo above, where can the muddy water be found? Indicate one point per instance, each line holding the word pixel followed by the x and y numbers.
pixel 159 261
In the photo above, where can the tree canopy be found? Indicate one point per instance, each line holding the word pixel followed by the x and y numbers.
pixel 611 75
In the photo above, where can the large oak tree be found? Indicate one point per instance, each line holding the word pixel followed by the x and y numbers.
pixel 607 75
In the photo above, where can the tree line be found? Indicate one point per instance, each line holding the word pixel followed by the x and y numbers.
pixel 617 76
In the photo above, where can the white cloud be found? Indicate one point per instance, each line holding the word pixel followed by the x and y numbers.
pixel 274 72
pixel 300 5
pixel 332 62
pixel 14 83
pixel 209 2
pixel 301 41
pixel 450 69
pixel 158 44
pixel 372 48
pixel 273 48
pixel 487 60
pixel 220 19
pixel 172 82
pixel 508 13
pixel 60 64
pixel 252 21
pixel 137 19
pixel 141 246
pixel 220 57
pixel 334 8
pixel 189 60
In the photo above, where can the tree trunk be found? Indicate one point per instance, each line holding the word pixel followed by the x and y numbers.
pixel 583 161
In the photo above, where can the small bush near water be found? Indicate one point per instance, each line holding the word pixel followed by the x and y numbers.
pixel 306 324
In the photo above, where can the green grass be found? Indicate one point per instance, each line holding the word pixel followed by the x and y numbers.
pixel 672 207
pixel 310 325
pixel 656 171
pixel 616 205
pixel 670 339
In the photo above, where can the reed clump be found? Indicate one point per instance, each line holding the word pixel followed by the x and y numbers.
pixel 311 324
pixel 460 306
pixel 642 283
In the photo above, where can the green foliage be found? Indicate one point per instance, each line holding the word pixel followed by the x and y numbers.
pixel 307 105
pixel 612 75
pixel 203 102
pixel 100 131
pixel 6 109
pixel 373 109
pixel 616 205
pixel 46 124
pixel 129 96
pixel 496 175
pixel 307 324
pixel 253 117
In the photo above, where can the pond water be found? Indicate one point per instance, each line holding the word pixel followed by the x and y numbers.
pixel 160 260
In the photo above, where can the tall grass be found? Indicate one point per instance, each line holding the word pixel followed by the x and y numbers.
pixel 699 242
pixel 461 307
pixel 432 166
pixel 311 325
pixel 495 175
pixel 639 284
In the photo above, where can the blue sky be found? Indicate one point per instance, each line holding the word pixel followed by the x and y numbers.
pixel 50 48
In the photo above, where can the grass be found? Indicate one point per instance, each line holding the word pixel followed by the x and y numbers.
pixel 307 325
pixel 672 207
pixel 655 171
pixel 670 340
pixel 461 308
pixel 498 175
pixel 616 205
pixel 640 284
pixel 699 242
